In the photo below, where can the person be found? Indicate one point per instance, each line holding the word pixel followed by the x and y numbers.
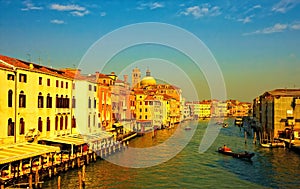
pixel 226 149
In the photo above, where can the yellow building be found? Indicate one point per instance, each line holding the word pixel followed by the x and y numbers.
pixel 205 111
pixel 36 101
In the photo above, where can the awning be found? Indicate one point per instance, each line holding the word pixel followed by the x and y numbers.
pixel 65 140
pixel 11 153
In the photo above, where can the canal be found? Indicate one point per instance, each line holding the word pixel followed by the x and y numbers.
pixel 269 168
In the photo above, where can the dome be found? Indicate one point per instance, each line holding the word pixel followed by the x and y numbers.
pixel 148 80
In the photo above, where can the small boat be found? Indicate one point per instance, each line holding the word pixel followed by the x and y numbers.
pixel 187 128
pixel 273 145
pixel 241 155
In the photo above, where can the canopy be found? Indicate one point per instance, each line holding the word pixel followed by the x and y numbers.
pixel 15 152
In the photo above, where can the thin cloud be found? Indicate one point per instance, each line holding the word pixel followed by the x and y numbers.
pixel 30 6
pixel 73 7
pixel 295 26
pixel 245 20
pixel 151 6
pixel 269 30
pixel 74 10
pixel 284 6
pixel 102 14
pixel 201 11
pixel 80 14
pixel 57 21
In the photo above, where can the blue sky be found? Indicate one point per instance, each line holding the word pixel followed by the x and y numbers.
pixel 256 43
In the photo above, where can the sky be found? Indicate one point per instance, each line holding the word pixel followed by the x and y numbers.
pixel 256 44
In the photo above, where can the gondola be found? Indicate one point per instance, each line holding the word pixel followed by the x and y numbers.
pixel 242 155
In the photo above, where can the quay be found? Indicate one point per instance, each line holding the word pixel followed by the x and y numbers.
pixel 29 164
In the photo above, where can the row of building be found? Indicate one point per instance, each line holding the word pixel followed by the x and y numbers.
pixel 44 102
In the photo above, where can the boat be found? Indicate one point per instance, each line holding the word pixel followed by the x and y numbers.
pixel 187 128
pixel 273 145
pixel 241 155
pixel 238 121
pixel 225 125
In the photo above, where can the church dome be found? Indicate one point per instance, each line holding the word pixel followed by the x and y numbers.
pixel 148 80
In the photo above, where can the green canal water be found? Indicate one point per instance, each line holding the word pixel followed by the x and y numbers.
pixel 269 168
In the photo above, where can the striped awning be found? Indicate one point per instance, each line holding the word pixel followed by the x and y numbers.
pixel 15 152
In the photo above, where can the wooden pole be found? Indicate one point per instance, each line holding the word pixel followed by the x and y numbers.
pixel 79 179
pixel 58 182
pixel 83 175
pixel 254 138
pixel 36 177
pixel 245 133
pixel 30 181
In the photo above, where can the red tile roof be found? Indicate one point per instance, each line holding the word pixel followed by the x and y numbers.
pixel 33 67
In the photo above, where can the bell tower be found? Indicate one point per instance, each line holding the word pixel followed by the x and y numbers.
pixel 136 78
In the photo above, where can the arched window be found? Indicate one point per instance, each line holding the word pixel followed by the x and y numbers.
pixel 10 128
pixel 49 101
pixel 61 123
pixel 56 123
pixel 40 101
pixel 90 102
pixel 48 124
pixel 22 126
pixel 10 98
pixel 40 124
pixel 73 122
pixel 66 122
pixel 89 121
pixel 22 100
pixel 94 120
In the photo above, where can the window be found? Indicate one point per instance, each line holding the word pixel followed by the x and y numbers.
pixel 40 101
pixel 22 100
pixel 57 83
pixel 61 123
pixel 73 102
pixel 94 121
pixel 56 123
pixel 95 103
pixel 10 98
pixel 10 128
pixel 22 126
pixel 146 109
pixel 146 102
pixel 90 103
pixel 104 81
pixel 48 82
pixel 40 124
pixel 95 88
pixel 140 116
pixel 10 77
pixel 48 124
pixel 146 117
pixel 73 86
pixel 73 122
pixel 23 78
pixel 89 121
pixel 66 122
pixel 140 109
pixel 141 103
pixel 62 84
pixel 67 85
pixel 90 87
pixel 150 103
pixel 49 101
pixel 40 80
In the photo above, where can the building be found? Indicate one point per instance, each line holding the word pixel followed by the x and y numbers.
pixel 278 113
pixel 36 101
